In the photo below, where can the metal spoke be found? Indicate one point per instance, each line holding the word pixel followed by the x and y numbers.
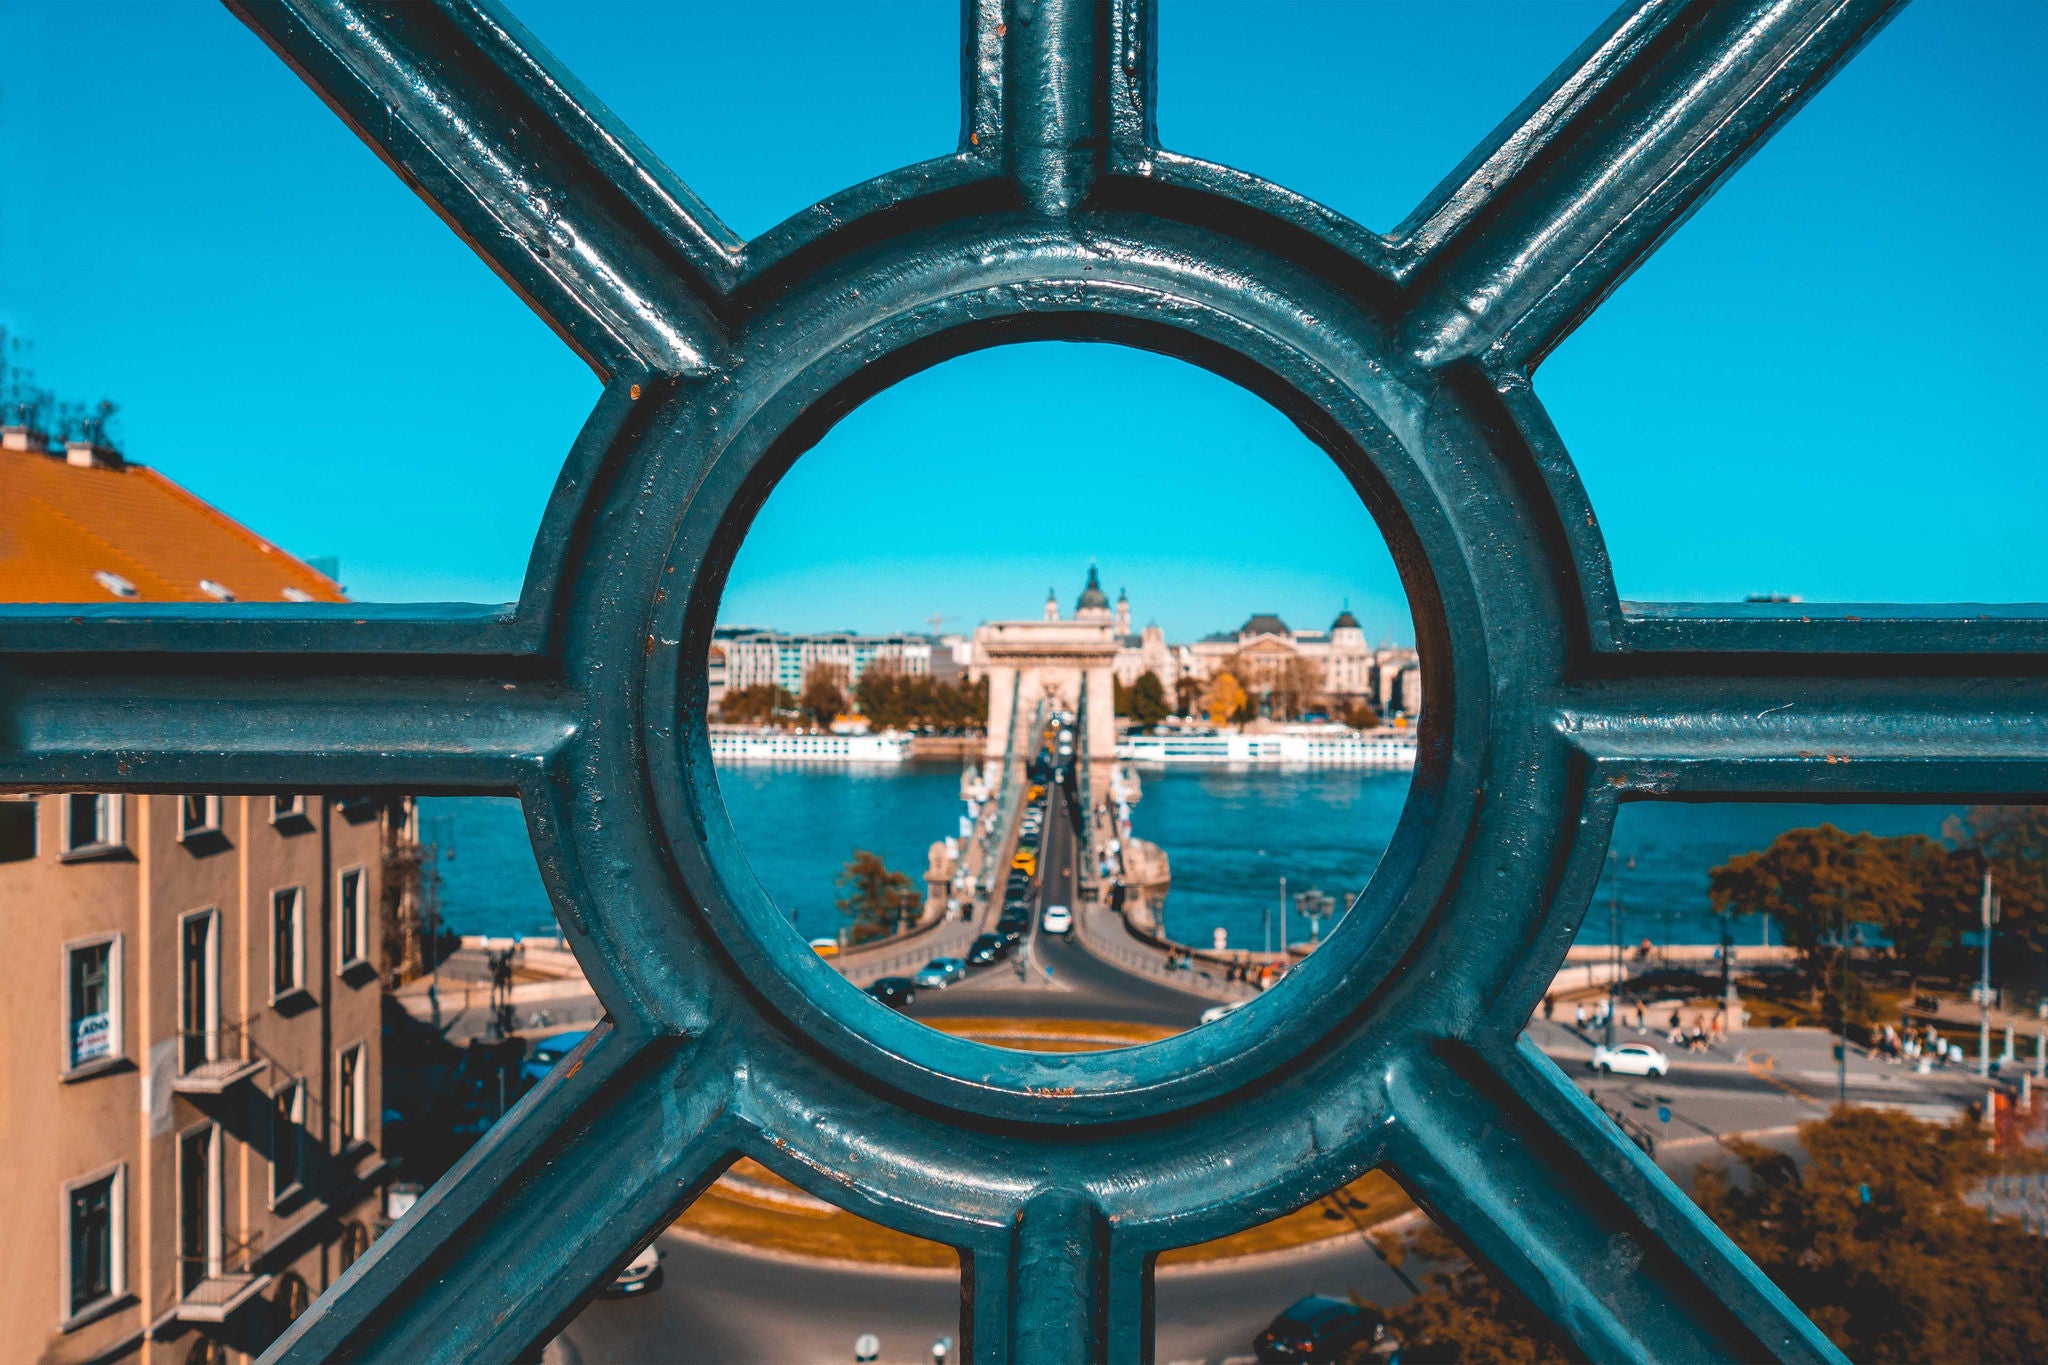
pixel 1605 161
pixel 239 708
pixel 505 1249
pixel 1045 1296
pixel 534 173
pixel 1542 1189
pixel 1057 91
pixel 1840 733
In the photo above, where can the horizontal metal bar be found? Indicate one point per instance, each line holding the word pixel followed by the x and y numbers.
pixel 1816 735
pixel 1975 629
pixel 254 723
pixel 1617 153
pixel 600 238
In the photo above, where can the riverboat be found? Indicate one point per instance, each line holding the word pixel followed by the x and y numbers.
pixel 1388 748
pixel 741 744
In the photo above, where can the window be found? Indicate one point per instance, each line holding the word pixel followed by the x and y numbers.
pixel 95 1218
pixel 198 989
pixel 355 1240
pixel 92 982
pixel 349 1081
pixel 17 831
pixel 352 916
pixel 199 1232
pixel 92 823
pixel 283 808
pixel 287 941
pixel 198 815
pixel 287 1127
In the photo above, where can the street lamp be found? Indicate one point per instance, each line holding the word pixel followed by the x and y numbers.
pixel 1614 935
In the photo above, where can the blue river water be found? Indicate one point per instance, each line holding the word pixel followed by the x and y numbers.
pixel 1231 836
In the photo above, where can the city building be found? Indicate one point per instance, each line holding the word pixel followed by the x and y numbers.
pixel 752 655
pixel 193 1092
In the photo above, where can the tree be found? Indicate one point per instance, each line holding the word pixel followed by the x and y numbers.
pixel 1360 716
pixel 1147 700
pixel 1875 1241
pixel 756 705
pixel 1119 697
pixel 1224 699
pixel 877 900
pixel 1187 694
pixel 824 694
pixel 1810 880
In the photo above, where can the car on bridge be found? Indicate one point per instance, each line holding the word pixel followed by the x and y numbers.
pixel 1056 919
pixel 939 973
pixel 1318 1328
pixel 988 949
pixel 896 992
pixel 1025 861
pixel 1630 1059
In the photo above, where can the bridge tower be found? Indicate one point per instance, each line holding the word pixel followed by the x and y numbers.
pixel 1026 660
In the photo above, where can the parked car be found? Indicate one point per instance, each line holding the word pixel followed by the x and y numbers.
pixel 543 1053
pixel 1630 1059
pixel 1056 919
pixel 894 991
pixel 1215 1012
pixel 1318 1328
pixel 987 948
pixel 1025 861
pixel 939 973
pixel 641 1274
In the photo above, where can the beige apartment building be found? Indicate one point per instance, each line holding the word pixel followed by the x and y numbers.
pixel 190 1092
pixel 191 1089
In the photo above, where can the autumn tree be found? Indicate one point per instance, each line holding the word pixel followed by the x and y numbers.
pixel 1224 698
pixel 877 900
pixel 1875 1240
pixel 824 695
pixel 1813 881
pixel 1147 700
pixel 893 699
pixel 756 705
pixel 1360 716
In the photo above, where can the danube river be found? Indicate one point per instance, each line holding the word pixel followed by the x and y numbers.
pixel 1231 835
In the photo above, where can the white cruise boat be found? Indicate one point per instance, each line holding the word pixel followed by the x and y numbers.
pixel 745 743
pixel 1305 747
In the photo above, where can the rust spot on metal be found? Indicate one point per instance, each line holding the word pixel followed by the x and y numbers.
pixel 573 1069
pixel 635 391
pixel 650 646
pixel 974 139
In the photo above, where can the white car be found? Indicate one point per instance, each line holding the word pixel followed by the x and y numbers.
pixel 1215 1012
pixel 1056 919
pixel 641 1274
pixel 1630 1059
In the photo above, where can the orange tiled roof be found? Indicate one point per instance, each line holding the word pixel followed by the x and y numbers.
pixel 61 524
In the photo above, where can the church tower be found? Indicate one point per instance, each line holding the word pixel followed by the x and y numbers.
pixel 1094 603
pixel 1123 613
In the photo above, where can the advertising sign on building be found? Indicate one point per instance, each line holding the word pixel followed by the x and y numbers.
pixel 92 1037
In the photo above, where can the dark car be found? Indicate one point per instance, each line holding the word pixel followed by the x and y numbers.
pixel 894 991
pixel 986 949
pixel 1318 1328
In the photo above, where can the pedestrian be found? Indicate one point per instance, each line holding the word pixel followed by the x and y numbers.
pixel 1549 1008
pixel 1579 1018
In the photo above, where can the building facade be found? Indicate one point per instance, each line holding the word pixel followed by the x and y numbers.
pixel 192 1089
pixel 750 656
pixel 193 1084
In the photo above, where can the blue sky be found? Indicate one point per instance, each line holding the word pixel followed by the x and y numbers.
pixel 1826 383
